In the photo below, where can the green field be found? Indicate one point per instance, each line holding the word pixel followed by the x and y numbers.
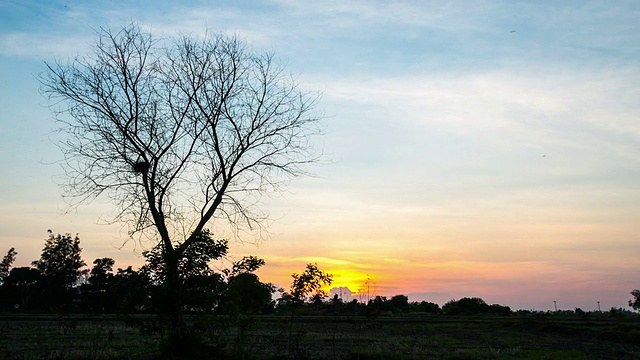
pixel 532 336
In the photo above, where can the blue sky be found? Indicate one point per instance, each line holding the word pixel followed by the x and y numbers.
pixel 474 148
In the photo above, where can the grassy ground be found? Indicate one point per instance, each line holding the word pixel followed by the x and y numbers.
pixel 332 337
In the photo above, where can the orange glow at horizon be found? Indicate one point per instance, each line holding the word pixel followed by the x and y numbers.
pixel 522 264
pixel 425 278
pixel 351 279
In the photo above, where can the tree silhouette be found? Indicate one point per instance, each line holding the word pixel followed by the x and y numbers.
pixel 399 304
pixel 60 267
pixel 130 290
pixel 6 263
pixel 21 286
pixel 425 306
pixel 178 132
pixel 98 292
pixel 635 303
pixel 201 286
pixel 309 283
pixel 247 295
pixel 466 306
pixel 247 264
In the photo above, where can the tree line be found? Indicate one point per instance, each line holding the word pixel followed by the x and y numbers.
pixel 60 282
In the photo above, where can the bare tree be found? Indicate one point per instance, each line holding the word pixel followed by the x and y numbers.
pixel 178 132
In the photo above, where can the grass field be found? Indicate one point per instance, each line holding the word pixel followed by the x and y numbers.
pixel 532 336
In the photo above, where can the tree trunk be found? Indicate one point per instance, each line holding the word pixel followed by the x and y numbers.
pixel 173 305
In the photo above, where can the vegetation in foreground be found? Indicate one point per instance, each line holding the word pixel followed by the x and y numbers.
pixel 607 335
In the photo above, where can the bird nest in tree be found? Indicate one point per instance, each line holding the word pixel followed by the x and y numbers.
pixel 141 167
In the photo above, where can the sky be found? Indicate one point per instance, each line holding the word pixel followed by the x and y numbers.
pixel 471 148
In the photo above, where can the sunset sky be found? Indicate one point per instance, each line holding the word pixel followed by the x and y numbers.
pixel 472 148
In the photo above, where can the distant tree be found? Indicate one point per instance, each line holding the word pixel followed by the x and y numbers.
pixel 499 309
pixel 101 271
pixel 451 307
pixel 247 264
pixel 473 306
pixel 635 303
pixel 97 293
pixel 399 304
pixel 6 263
pixel 305 287
pixel 131 290
pixel 337 304
pixel 60 266
pixel 178 132
pixel 425 306
pixel 355 308
pixel 247 295
pixel 22 287
pixel 309 283
pixel 466 306
pixel 377 306
pixel 285 302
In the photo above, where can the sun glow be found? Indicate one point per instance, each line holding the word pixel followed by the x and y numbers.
pixel 360 286
pixel 351 279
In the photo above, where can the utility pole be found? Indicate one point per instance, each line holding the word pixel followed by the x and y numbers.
pixel 555 305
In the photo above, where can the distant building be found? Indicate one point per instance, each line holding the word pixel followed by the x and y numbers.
pixel 343 293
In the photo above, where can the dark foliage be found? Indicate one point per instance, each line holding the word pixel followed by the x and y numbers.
pixel 60 267
pixel 635 303
pixel 310 283
pixel 399 304
pixel 248 296
pixel 426 307
pixel 473 306
pixel 22 289
pixel 97 293
pixel 6 263
pixel 200 287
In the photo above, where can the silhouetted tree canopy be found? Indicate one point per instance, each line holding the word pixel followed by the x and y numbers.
pixel 425 306
pixel 131 290
pixel 473 306
pixel 307 286
pixel 60 267
pixel 399 304
pixel 309 283
pixel 202 287
pixel 247 295
pixel 61 261
pixel 247 264
pixel 465 306
pixel 97 293
pixel 5 264
pixel 23 287
pixel 635 303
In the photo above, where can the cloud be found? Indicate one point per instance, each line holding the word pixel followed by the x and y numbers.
pixel 341 14
pixel 42 46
